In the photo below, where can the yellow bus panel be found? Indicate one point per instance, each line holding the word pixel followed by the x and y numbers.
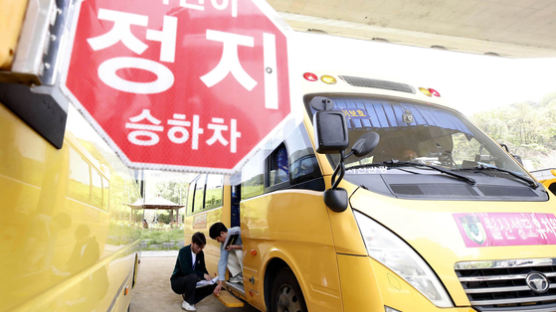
pixel 68 243
pixel 11 21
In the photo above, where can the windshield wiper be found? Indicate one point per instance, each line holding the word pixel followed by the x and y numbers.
pixel 530 182
pixel 395 163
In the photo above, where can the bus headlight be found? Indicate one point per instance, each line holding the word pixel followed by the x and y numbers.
pixel 386 248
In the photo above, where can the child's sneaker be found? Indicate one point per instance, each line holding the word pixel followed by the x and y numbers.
pixel 238 279
pixel 188 307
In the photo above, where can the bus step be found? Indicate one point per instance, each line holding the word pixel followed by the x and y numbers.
pixel 228 300
pixel 235 287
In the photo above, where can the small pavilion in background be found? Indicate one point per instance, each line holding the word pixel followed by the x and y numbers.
pixel 156 204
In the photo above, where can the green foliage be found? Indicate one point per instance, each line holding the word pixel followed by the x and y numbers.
pixel 162 238
pixel 173 191
pixel 164 217
pixel 529 129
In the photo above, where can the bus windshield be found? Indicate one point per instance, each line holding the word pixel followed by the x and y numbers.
pixel 419 133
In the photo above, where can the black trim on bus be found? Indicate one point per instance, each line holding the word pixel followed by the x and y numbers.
pixel 316 184
pixel 193 184
pixel 40 111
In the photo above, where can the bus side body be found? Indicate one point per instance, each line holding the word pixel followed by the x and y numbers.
pixel 67 239
pixel 284 224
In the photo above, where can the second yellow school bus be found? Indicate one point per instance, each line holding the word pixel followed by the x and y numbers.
pixel 547 177
pixel 437 217
pixel 67 238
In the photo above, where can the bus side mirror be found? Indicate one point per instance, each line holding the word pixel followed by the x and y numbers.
pixel 517 157
pixel 331 133
pixel 336 199
pixel 365 144
pixel 331 137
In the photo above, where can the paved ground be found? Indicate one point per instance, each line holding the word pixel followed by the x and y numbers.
pixel 153 292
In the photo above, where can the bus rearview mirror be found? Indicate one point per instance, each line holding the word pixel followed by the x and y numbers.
pixel 331 133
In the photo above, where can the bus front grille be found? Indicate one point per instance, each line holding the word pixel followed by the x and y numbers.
pixel 522 285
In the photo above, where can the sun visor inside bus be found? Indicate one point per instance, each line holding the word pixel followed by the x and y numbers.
pixel 371 113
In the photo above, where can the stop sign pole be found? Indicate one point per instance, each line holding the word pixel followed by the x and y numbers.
pixel 194 85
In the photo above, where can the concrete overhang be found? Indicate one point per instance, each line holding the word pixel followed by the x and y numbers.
pixel 511 28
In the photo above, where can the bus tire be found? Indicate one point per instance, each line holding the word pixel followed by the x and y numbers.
pixel 286 295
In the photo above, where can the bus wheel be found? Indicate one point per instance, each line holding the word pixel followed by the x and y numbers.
pixel 286 294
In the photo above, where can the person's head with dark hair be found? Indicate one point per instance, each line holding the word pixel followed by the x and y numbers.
pixel 218 231
pixel 198 242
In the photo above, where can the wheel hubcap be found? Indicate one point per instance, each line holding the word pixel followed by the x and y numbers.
pixel 288 300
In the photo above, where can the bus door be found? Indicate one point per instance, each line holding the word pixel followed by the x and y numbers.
pixel 236 198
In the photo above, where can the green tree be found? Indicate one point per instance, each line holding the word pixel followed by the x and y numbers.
pixel 173 191
pixel 164 217
pixel 529 129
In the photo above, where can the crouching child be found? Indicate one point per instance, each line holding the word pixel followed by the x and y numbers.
pixel 189 269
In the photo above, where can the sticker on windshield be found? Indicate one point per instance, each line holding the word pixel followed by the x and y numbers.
pixel 506 229
pixel 368 170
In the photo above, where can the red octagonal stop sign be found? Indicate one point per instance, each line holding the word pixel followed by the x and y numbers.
pixel 180 84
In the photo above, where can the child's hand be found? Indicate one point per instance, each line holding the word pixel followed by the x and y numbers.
pixel 216 290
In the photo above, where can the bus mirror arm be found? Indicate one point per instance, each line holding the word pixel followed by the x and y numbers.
pixel 331 137
pixel 336 198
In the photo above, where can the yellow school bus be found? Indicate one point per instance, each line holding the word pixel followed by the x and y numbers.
pixel 383 199
pixel 67 240
pixel 547 177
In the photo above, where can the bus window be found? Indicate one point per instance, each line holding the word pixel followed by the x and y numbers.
pixel 278 166
pixel 293 163
pixel 302 160
pixel 236 197
pixel 79 180
pixel 213 196
pixel 468 151
pixel 199 193
pixel 252 175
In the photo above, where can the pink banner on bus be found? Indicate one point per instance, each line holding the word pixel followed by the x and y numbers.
pixel 506 229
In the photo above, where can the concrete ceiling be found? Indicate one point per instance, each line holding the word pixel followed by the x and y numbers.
pixel 513 28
